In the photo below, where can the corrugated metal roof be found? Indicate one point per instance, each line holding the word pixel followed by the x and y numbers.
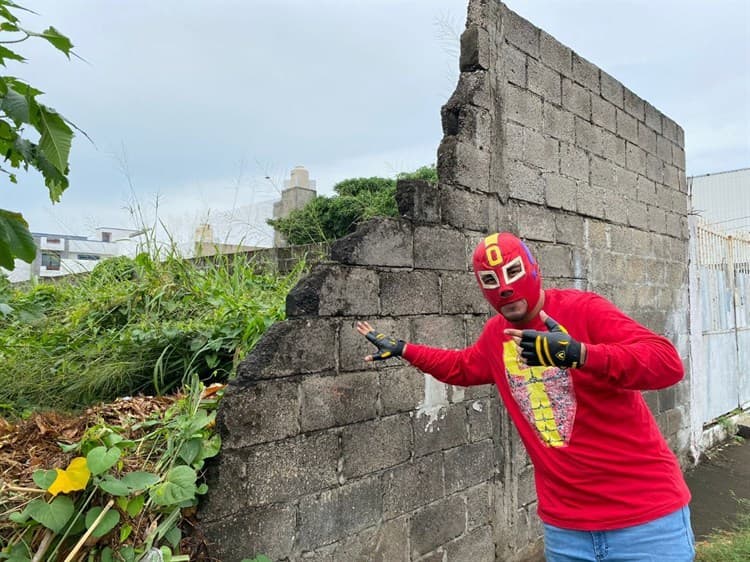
pixel 722 199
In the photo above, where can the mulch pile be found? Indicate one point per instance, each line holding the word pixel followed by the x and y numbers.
pixel 34 444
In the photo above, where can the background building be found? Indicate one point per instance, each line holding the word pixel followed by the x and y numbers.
pixel 299 190
pixel 65 254
pixel 722 200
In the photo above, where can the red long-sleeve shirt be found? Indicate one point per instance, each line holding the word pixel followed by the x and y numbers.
pixel 600 460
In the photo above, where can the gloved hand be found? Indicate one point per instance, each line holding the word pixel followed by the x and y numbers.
pixel 387 346
pixel 550 348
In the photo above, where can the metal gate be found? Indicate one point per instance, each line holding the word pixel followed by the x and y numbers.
pixel 723 264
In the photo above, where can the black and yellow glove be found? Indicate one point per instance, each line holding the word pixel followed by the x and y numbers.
pixel 387 346
pixel 553 348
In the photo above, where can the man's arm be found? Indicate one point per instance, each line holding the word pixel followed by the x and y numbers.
pixel 626 352
pixel 464 367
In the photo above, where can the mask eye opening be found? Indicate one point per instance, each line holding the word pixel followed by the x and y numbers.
pixel 514 270
pixel 488 279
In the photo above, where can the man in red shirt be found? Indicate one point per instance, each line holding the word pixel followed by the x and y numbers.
pixel 569 367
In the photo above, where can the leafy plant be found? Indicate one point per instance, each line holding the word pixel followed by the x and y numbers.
pixel 101 506
pixel 134 325
pixel 327 218
pixel 20 109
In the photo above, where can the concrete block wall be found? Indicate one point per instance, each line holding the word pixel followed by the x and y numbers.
pixel 328 458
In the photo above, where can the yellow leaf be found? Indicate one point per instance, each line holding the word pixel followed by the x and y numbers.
pixel 73 478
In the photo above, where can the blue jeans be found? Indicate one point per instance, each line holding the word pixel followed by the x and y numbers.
pixel 667 539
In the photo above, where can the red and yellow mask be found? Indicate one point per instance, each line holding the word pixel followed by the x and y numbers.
pixel 506 271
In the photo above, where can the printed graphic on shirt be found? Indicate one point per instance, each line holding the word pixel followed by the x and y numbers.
pixel 545 395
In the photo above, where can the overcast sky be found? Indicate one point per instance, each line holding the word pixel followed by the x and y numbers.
pixel 208 105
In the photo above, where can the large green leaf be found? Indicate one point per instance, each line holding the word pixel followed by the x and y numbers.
pixel 178 487
pixel 53 515
pixel 55 181
pixel 137 481
pixel 16 106
pixel 101 459
pixel 108 522
pixel 6 53
pixel 58 40
pixel 56 138
pixel 15 239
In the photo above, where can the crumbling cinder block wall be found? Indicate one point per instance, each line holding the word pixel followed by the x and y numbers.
pixel 328 458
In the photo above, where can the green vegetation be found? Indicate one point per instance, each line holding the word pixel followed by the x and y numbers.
pixel 729 546
pixel 325 219
pixel 132 325
pixel 20 112
pixel 125 492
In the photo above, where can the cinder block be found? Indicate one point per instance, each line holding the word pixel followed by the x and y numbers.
pixel 401 390
pixel 670 129
pixel 477 546
pixel 612 90
pixel 521 33
pixel 558 123
pixel 410 486
pixel 672 177
pixel 603 172
pixel 654 168
pixel 636 158
pixel 409 292
pixel 473 89
pixel 555 55
pixel 574 162
pixel 657 220
pixel 576 98
pixel 418 201
pixel 479 505
pixel 269 529
pixel 480 419
pixel 555 260
pixel 627 183
pixel 541 151
pixel 223 475
pixel 526 490
pixel 646 138
pixel 613 148
pixel 353 347
pixel 679 202
pixel 372 446
pixel 664 149
pixel 469 465
pixel 560 192
pixel 464 209
pixel 461 294
pixel 524 107
pixel 464 164
pixel 674 225
pixel 525 183
pixel 284 470
pixel 569 229
pixel 475 49
pixel 634 105
pixel 385 542
pixel 603 113
pixel 588 137
pixel 653 118
pixel 385 242
pixel 449 430
pixel 334 291
pixel 512 65
pixel 627 126
pixel 544 81
pixel 439 248
pixel 591 201
pixel 281 352
pixel 437 524
pixel 440 331
pixel 664 196
pixel 328 401
pixel 616 210
pixel 646 191
pixel 259 412
pixel 334 514
pixel 586 73
pixel 469 124
pixel 536 223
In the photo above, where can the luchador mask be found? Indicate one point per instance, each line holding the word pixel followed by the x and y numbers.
pixel 506 271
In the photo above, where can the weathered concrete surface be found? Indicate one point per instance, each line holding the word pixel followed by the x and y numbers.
pixel 328 458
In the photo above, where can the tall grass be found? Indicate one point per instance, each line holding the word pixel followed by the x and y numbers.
pixel 133 325
pixel 729 546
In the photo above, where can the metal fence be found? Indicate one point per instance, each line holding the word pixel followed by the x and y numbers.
pixel 723 267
